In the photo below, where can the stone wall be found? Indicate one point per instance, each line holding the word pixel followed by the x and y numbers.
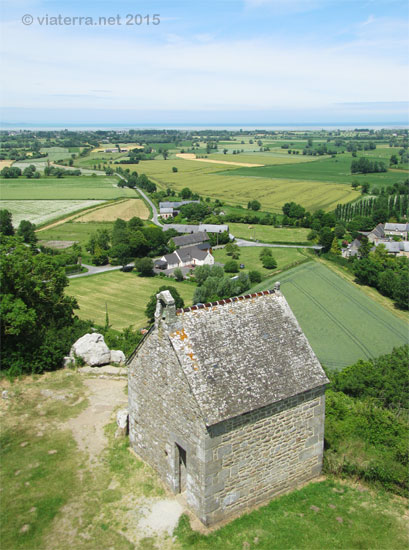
pixel 231 466
pixel 253 457
pixel 163 412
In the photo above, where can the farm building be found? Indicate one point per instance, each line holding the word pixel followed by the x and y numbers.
pixel 226 402
pixel 169 209
pixel 188 240
pixel 186 228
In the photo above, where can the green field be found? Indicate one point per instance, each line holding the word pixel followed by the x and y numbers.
pixel 68 188
pixel 340 321
pixel 336 170
pixel 250 257
pixel 125 294
pixel 72 230
pixel 226 183
pixel 259 157
pixel 41 211
pixel 269 234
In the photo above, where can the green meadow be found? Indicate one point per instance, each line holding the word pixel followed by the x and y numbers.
pixel 250 257
pixel 70 187
pixel 341 322
pixel 125 295
pixel 269 234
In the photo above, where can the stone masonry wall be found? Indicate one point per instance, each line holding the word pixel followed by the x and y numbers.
pixel 255 456
pixel 162 412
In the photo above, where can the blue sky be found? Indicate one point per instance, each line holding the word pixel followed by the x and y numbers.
pixel 207 62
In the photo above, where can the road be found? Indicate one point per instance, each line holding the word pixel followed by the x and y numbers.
pixel 148 200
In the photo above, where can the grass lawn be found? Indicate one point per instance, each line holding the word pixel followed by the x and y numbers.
pixel 269 234
pixel 250 257
pixel 342 323
pixel 336 170
pixel 230 186
pixel 41 211
pixel 125 294
pixel 320 516
pixel 75 187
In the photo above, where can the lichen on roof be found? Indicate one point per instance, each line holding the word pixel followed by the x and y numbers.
pixel 244 353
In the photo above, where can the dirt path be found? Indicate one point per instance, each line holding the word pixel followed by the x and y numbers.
pixel 104 397
pixel 192 156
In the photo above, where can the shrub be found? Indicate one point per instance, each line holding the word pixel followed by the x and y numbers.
pixel 178 274
pixel 255 276
pixel 231 266
pixel 269 262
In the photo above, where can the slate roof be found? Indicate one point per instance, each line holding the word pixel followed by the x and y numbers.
pixel 190 228
pixel 396 226
pixel 189 252
pixel 243 353
pixel 194 238
pixel 396 247
pixel 175 204
pixel 378 231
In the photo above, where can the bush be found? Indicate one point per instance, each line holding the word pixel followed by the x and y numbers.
pixel 231 266
pixel 178 274
pixel 269 262
pixel 255 276
pixel 144 266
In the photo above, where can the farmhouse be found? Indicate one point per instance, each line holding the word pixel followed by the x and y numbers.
pixel 397 230
pixel 169 209
pixel 187 256
pixel 226 402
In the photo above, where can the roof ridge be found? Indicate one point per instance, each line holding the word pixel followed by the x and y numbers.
pixel 225 301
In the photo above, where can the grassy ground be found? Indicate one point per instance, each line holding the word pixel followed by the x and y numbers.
pixel 337 170
pixel 233 188
pixel 72 231
pixel 321 516
pixel 78 187
pixel 269 234
pixel 124 210
pixel 342 323
pixel 273 157
pixel 52 496
pixel 250 257
pixel 41 211
pixel 125 294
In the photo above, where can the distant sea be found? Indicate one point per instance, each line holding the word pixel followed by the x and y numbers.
pixel 245 127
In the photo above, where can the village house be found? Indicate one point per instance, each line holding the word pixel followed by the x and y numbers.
pixel 170 209
pixel 397 230
pixel 376 235
pixel 191 256
pixel 226 402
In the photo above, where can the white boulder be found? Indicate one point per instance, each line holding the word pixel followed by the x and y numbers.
pixel 122 422
pixel 92 349
pixel 117 356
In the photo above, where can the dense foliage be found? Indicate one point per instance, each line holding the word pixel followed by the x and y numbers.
pixel 385 379
pixel 213 285
pixel 390 275
pixel 366 430
pixel 38 325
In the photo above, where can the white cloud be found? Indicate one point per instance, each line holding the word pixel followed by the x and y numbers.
pixel 60 68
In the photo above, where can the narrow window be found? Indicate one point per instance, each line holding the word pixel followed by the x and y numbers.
pixel 181 461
